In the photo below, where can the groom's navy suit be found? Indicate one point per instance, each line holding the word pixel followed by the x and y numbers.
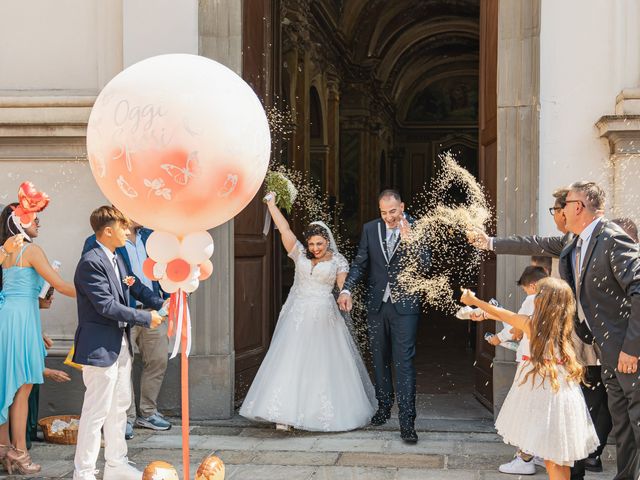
pixel 103 306
pixel 392 324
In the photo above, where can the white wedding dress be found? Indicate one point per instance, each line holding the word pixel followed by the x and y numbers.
pixel 313 377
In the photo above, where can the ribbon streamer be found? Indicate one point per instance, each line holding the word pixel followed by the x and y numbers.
pixel 180 326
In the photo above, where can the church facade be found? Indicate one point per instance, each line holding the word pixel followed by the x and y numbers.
pixel 529 94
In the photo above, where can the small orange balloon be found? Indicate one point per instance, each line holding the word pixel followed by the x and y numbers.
pixel 211 468
pixel 160 470
pixel 147 269
pixel 206 269
pixel 178 270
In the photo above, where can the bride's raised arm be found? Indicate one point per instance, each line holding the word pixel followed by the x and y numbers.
pixel 288 237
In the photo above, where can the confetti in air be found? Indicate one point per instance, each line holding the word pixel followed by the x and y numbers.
pixel 453 204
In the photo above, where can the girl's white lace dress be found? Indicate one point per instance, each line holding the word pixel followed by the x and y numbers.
pixel 313 377
pixel 553 425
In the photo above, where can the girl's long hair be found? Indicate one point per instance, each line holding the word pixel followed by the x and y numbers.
pixel 551 330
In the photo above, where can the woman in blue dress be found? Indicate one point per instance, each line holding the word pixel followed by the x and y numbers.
pixel 22 348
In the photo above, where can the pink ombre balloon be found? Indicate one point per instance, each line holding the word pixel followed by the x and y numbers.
pixel 179 143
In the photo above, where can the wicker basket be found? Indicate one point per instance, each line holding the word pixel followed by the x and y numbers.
pixel 65 437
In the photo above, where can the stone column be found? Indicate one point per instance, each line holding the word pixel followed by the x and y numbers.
pixel 333 136
pixel 212 372
pixel 518 153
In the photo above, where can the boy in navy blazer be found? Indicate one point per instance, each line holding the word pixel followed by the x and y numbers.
pixel 103 346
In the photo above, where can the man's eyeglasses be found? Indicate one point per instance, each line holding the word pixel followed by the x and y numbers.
pixel 556 209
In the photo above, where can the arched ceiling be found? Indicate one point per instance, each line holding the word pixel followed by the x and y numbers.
pixel 405 43
pixel 401 45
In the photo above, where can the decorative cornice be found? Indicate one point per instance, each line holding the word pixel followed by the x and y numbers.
pixel 622 132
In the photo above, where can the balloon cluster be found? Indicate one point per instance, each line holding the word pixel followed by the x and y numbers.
pixel 30 202
pixel 179 264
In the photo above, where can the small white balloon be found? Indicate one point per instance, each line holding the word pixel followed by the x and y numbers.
pixel 159 269
pixel 168 286
pixel 163 246
pixel 196 247
pixel 190 285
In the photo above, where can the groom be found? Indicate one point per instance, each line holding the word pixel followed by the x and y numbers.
pixel 392 316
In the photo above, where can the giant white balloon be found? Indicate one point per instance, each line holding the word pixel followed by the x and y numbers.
pixel 179 143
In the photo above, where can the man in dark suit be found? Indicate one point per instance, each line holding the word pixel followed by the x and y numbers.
pixel 103 346
pixel 153 344
pixel 601 264
pixel 392 315
pixel 593 389
pixel 603 267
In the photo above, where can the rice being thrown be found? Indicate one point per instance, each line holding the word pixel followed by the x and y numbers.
pixel 439 222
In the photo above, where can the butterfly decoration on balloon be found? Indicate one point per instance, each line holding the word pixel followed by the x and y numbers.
pixel 180 144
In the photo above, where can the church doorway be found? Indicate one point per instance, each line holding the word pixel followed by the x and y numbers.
pixel 377 91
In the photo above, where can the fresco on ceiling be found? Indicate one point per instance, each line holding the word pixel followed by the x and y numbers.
pixel 450 100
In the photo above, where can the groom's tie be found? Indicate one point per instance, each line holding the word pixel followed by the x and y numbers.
pixel 392 242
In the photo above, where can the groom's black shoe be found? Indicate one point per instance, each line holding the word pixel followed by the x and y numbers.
pixel 380 417
pixel 409 435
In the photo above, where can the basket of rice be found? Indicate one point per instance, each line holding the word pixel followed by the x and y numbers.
pixel 60 429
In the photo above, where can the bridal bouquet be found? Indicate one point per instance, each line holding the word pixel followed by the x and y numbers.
pixel 284 189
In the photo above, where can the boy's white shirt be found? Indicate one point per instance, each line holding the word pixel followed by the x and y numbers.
pixel 526 308
pixel 505 334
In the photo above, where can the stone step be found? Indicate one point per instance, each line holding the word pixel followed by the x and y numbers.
pixel 259 453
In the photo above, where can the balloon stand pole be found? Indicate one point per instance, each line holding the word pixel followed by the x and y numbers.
pixel 184 366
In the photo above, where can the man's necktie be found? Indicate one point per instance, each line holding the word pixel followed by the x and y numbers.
pixel 392 242
pixel 115 269
pixel 576 275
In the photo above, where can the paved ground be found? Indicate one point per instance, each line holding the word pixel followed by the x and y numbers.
pixel 456 443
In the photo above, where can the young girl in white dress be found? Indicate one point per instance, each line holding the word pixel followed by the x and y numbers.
pixel 545 411
pixel 312 377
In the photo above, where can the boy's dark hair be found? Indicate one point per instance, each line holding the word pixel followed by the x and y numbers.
pixel 544 262
pixel 531 274
pixel 106 216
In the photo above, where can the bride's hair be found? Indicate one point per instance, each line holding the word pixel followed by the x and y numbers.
pixel 314 231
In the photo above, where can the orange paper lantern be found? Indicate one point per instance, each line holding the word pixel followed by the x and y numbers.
pixel 211 468
pixel 160 470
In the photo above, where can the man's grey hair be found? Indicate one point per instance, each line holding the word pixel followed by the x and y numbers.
pixel 594 195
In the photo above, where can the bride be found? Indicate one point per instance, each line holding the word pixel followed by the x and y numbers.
pixel 312 377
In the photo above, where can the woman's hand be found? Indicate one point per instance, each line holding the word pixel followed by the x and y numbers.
pixel 270 199
pixel 48 343
pixel 468 297
pixel 45 303
pixel 56 375
pixel 13 244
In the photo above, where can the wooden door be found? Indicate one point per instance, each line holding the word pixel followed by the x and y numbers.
pixel 256 279
pixel 488 175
